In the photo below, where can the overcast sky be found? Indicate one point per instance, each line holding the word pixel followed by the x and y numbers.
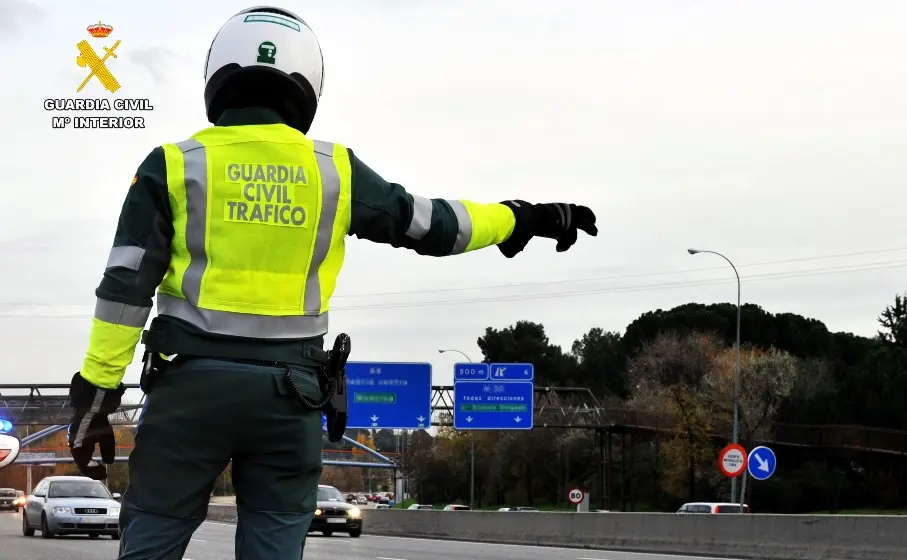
pixel 770 131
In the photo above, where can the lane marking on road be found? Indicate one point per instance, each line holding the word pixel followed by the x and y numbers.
pixel 217 523
pixel 386 558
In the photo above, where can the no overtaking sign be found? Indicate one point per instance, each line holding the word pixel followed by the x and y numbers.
pixel 732 460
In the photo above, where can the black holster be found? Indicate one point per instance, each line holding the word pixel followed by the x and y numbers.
pixel 154 366
pixel 334 387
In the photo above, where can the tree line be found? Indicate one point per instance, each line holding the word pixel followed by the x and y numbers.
pixel 680 363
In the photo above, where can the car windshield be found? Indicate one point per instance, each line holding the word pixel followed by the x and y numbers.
pixel 7 492
pixel 329 494
pixel 78 489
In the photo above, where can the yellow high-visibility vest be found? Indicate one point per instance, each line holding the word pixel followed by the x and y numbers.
pixel 260 216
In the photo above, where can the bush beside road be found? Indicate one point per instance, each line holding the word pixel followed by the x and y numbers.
pixel 756 537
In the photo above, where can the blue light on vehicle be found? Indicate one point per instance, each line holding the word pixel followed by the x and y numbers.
pixel 5 426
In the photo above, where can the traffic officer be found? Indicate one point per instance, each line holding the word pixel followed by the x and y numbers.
pixel 241 229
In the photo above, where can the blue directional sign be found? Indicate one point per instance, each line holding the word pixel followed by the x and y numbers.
pixel 393 396
pixel 486 401
pixel 470 372
pixel 512 372
pixel 762 463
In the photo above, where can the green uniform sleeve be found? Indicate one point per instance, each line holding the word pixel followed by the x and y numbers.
pixel 135 267
pixel 385 213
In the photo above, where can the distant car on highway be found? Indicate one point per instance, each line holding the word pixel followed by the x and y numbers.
pixel 20 499
pixel 455 507
pixel 334 515
pixel 71 505
pixel 518 508
pixel 421 506
pixel 712 508
pixel 8 499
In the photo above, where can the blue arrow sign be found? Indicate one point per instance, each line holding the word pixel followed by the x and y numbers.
pixel 762 463
pixel 502 402
pixel 388 395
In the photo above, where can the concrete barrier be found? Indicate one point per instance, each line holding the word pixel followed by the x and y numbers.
pixel 222 512
pixel 756 537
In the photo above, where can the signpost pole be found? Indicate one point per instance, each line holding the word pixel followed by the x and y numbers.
pixel 744 476
pixel 472 472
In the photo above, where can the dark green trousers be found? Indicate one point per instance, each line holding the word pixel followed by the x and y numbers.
pixel 199 415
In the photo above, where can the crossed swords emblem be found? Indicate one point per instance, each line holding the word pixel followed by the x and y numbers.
pixel 88 57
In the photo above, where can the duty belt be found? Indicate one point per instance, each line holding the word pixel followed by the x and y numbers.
pixel 331 373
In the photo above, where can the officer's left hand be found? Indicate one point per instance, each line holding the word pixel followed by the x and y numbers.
pixel 90 427
pixel 560 221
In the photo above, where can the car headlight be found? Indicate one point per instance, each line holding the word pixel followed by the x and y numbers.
pixel 317 512
pixel 354 513
pixel 113 512
pixel 62 509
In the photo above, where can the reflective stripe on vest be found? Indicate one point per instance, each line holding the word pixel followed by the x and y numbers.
pixel 193 219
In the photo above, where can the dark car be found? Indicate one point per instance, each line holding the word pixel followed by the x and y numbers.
pixel 334 515
pixel 8 499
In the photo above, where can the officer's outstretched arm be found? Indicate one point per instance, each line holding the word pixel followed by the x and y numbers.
pixel 135 267
pixel 385 213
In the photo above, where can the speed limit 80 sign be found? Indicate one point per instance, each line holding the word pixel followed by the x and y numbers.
pixel 576 496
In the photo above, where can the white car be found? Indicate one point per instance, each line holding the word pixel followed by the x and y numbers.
pixel 421 506
pixel 455 507
pixel 712 508
pixel 71 505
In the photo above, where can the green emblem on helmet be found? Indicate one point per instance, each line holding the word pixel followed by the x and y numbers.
pixel 267 53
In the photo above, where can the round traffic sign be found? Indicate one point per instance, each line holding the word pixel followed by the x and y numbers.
pixel 732 460
pixel 9 450
pixel 576 496
pixel 761 463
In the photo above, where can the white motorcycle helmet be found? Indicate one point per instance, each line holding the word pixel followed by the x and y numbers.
pixel 265 53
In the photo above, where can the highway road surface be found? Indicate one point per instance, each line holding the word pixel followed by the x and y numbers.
pixel 214 541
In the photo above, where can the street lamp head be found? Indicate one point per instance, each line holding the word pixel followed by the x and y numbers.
pixel 441 351
pixel 693 251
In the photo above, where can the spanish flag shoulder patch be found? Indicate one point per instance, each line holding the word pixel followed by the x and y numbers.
pixel 135 179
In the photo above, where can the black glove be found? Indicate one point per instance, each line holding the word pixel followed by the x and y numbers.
pixel 90 427
pixel 556 220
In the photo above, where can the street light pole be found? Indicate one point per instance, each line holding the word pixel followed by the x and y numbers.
pixel 736 364
pixel 472 447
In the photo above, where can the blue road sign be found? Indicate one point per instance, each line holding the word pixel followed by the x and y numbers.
pixel 393 396
pixel 762 463
pixel 470 372
pixel 493 403
pixel 512 372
